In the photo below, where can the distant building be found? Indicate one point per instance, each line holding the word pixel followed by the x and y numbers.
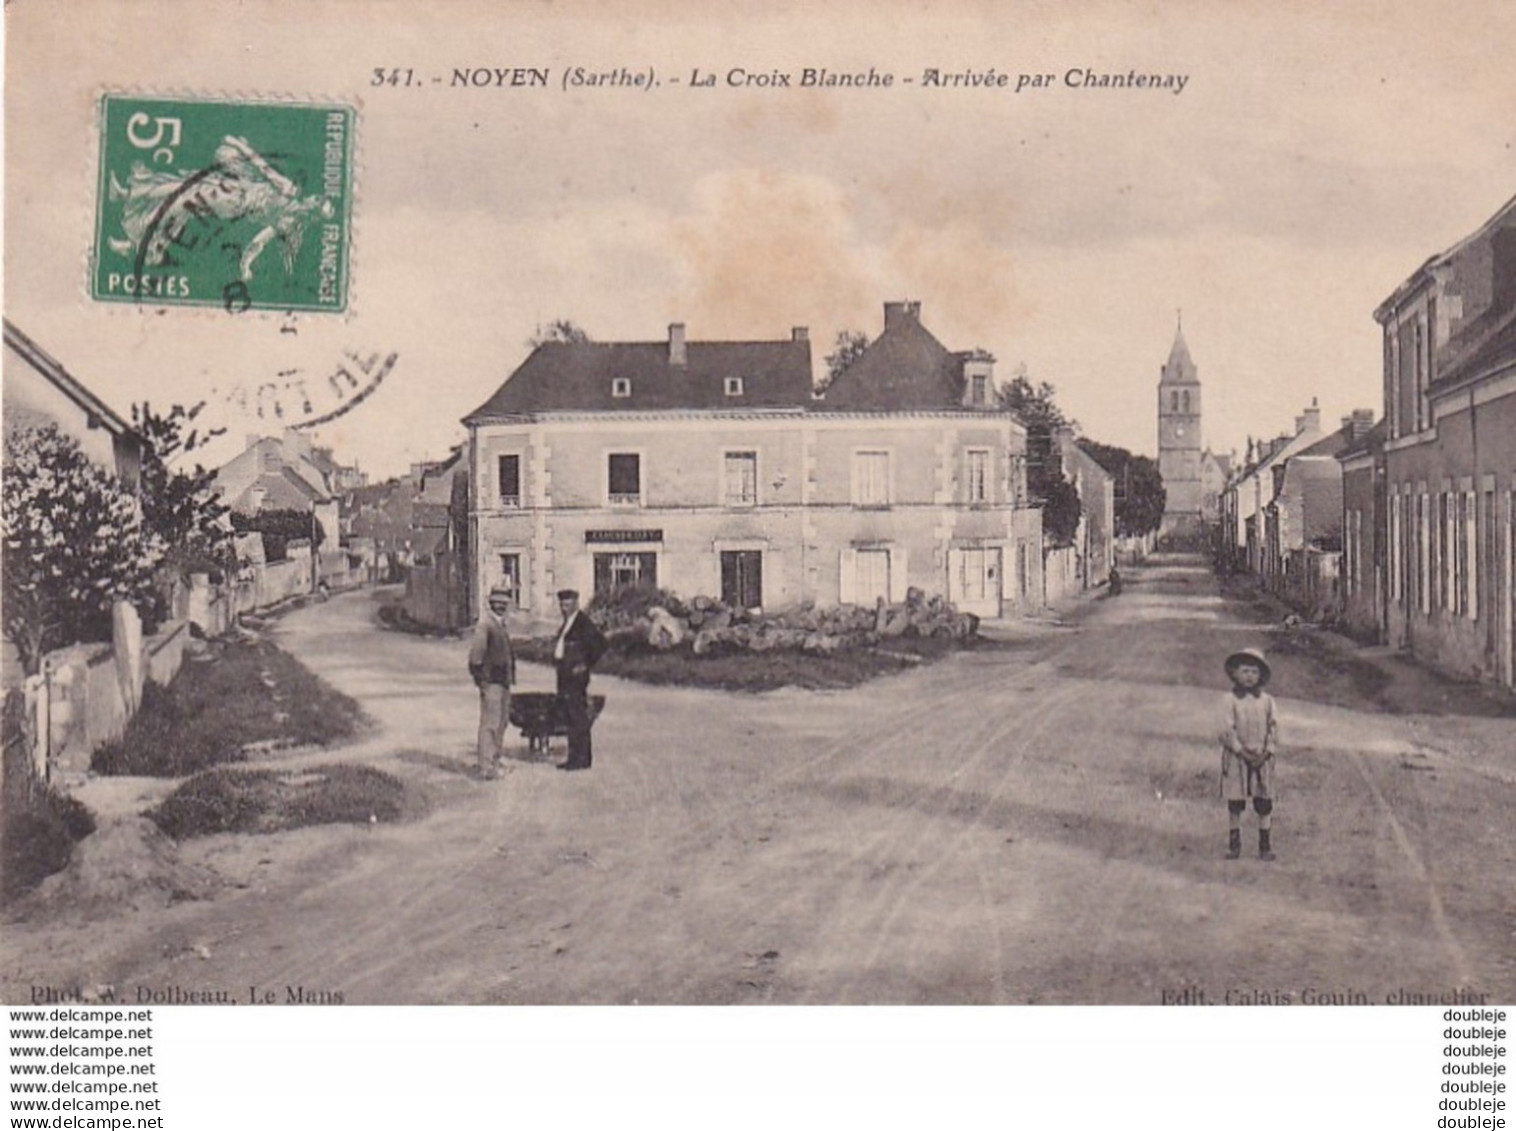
pixel 287 472
pixel 1242 540
pixel 1450 455
pixel 1303 522
pixel 713 468
pixel 1215 470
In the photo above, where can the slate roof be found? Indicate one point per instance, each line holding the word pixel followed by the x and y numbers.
pixel 903 369
pixel 576 376
pixel 1419 277
pixel 282 490
pixel 1329 445
pixel 1370 440
pixel 1497 348
pixel 66 383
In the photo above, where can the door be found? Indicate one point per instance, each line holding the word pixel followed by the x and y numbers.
pixel 974 579
pixel 873 577
pixel 742 579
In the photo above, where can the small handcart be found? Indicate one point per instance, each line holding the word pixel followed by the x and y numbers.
pixel 539 715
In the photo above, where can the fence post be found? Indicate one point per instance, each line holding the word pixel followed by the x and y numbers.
pixel 39 721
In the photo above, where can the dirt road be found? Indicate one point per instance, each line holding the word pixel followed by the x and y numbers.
pixel 1036 822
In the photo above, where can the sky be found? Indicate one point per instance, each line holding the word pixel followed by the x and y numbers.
pixel 1312 160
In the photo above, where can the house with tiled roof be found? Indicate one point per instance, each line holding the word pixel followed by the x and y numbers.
pixel 714 468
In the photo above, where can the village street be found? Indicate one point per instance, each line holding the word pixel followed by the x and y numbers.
pixel 1036 821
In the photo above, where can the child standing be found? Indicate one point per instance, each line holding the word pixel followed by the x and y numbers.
pixel 1249 740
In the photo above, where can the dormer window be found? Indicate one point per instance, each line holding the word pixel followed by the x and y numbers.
pixel 979 389
pixel 621 386
pixel 734 386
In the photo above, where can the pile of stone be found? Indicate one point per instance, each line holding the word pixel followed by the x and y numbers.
pixel 707 625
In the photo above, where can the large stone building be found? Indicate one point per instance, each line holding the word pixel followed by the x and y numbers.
pixel 1179 441
pixel 1450 455
pixel 713 468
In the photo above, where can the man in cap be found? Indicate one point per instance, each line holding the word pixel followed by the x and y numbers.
pixel 492 663
pixel 578 648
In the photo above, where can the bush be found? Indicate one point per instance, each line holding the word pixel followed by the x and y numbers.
pixel 265 801
pixel 625 607
pixel 40 838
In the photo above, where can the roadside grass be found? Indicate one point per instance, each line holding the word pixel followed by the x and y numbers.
pixel 242 695
pixel 265 801
pixel 744 670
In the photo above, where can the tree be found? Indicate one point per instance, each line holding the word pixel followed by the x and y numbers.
pixel 1140 494
pixel 280 527
pixel 1061 512
pixel 558 330
pixel 850 346
pixel 74 543
pixel 1034 406
pixel 180 507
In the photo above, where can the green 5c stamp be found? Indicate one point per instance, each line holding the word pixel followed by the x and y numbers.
pixel 237 205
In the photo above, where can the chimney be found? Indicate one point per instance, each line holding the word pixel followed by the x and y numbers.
pixel 1309 420
pixel 800 334
pixel 678 355
pixel 898 313
pixel 1361 422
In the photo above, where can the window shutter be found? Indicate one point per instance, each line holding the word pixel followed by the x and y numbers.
pixel 898 576
pixel 846 576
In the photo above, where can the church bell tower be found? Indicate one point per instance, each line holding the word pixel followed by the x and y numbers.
pixel 1179 439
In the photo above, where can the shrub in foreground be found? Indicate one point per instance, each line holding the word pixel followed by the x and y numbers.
pixel 265 801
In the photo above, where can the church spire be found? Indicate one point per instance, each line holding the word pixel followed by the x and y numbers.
pixel 1180 369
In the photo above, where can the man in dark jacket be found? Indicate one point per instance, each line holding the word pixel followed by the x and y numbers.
pixel 492 663
pixel 577 650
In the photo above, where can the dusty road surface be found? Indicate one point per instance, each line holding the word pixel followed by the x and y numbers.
pixel 1032 822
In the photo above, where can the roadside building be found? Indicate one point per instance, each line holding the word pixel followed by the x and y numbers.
pixel 1363 521
pixel 436 583
pixel 1450 454
pixel 39 390
pixel 714 468
pixel 1303 522
pixel 1095 539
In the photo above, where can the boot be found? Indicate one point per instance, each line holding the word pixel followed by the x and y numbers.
pixel 1234 845
pixel 1264 851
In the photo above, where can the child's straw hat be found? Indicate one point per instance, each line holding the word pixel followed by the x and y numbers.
pixel 1249 656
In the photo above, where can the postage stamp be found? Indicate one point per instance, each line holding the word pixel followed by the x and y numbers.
pixel 241 205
